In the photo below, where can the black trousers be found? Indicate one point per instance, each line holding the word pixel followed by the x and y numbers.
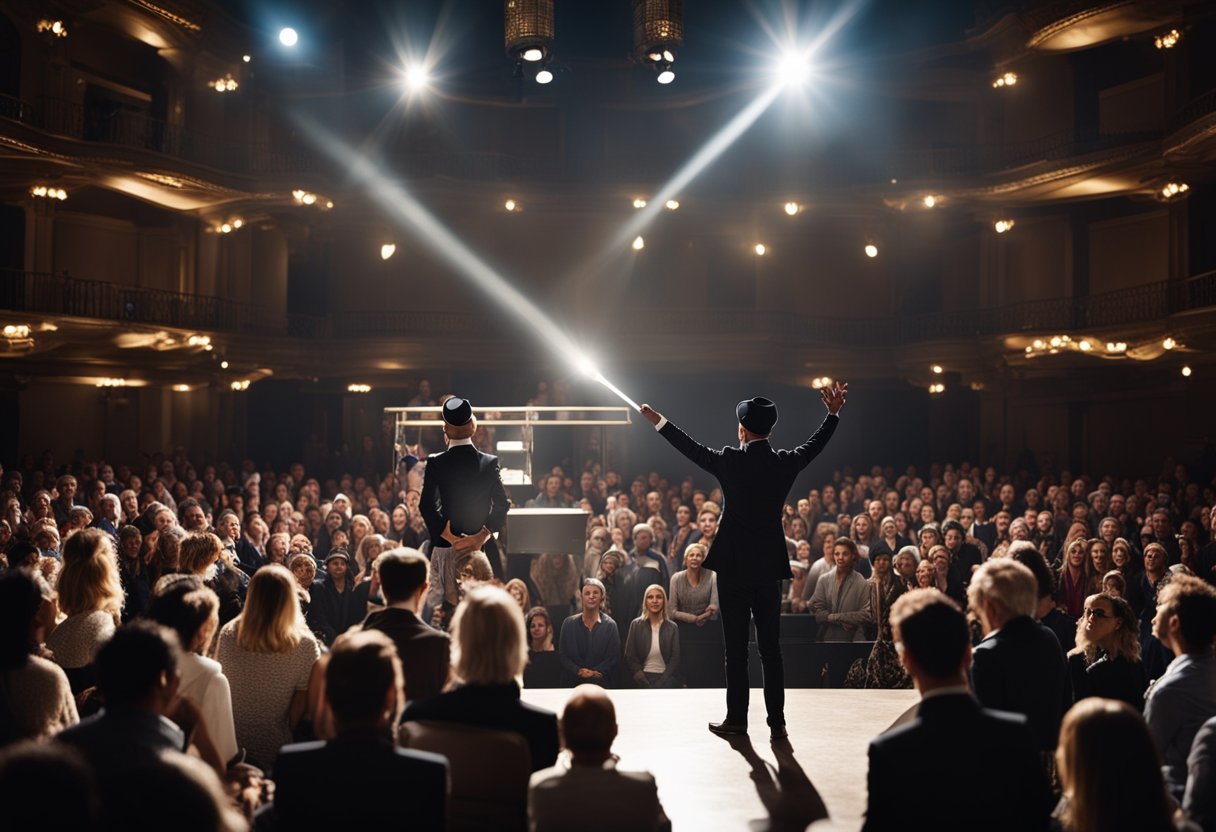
pixel 741 603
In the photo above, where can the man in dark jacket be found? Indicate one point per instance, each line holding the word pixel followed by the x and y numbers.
pixel 749 553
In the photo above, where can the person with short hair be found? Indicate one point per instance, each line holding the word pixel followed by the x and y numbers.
pixel 1185 695
pixel 951 730
pixel 559 797
pixel 589 644
pixel 363 689
pixel 1046 612
pixel 340 607
pixel 489 653
pixel 425 652
pixel 1018 666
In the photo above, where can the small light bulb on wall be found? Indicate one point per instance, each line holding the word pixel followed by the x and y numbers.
pixel 871 250
pixel 1186 372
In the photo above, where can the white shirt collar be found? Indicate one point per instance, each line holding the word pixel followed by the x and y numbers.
pixel 452 443
pixel 951 690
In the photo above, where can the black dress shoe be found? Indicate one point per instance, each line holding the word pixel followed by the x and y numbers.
pixel 778 732
pixel 727 729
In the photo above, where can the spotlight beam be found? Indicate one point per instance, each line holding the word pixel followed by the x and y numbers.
pixel 412 215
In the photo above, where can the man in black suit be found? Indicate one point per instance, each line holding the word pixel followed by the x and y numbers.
pixel 748 553
pixel 425 652
pixel 463 501
pixel 950 733
pixel 1019 665
pixel 363 689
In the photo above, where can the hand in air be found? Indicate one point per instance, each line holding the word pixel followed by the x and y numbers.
pixel 833 397
pixel 651 415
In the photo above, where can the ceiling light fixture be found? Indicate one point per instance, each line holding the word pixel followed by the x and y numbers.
pixel 1002 226
pixel 1006 80
pixel 1167 40
pixel 871 250
pixel 760 249
pixel 638 243
pixel 792 208
pixel 387 250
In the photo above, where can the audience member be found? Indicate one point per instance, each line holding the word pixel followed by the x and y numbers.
pixel 424 652
pixel 652 646
pixel 489 654
pixel 841 603
pixel 364 694
pixel 90 595
pixel 949 733
pixel 1179 702
pixel 590 793
pixel 589 644
pixel 48 787
pixel 694 589
pixel 1106 660
pixel 35 697
pixel 1199 799
pixel 540 631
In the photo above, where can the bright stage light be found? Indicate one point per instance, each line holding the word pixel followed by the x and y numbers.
pixel 792 208
pixel 288 36
pixel 510 205
pixel 1186 372
pixel 585 366
pixel 387 250
pixel 760 249
pixel 533 54
pixel 417 78
pixel 638 243
pixel 929 201
pixel 666 76
pixel 544 76
pixel 871 250
pixel 672 204
pixel 638 202
pixel 793 69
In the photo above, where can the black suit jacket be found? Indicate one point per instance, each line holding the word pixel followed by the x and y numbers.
pixel 498 707
pixel 1021 669
pixel 750 545
pixel 462 486
pixel 313 781
pixel 996 778
pixel 424 651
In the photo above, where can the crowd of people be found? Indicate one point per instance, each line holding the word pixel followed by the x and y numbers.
pixel 225 610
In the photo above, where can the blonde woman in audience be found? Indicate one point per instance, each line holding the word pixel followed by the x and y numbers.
pixel 268 653
pixel 366 552
pixel 519 591
pixel 694 590
pixel 90 594
pixel 652 647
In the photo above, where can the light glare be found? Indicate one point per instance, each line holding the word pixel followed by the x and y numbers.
pixel 544 76
pixel 288 36
pixel 792 208
pixel 387 250
pixel 533 54
pixel 639 243
pixel 793 69
pixel 417 78
pixel 871 250
pixel 666 76
pixel 760 249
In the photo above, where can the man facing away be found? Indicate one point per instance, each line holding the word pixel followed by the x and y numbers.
pixel 749 553
pixel 559 797
pixel 463 500
pixel 950 733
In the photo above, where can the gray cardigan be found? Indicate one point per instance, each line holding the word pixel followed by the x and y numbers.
pixel 637 646
pixel 850 606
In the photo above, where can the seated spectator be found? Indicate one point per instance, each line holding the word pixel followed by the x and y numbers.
pixel 841 603
pixel 425 652
pixel 200 555
pixel 191 610
pixel 340 607
pixel 905 562
pixel 35 697
pixel 559 797
pixel 883 668
pixel 178 792
pixel 490 651
pixel 1019 666
pixel 965 556
pixel 47 786
pixel 1076 579
pixel 366 552
pixel 90 594
pixel 555 578
pixel 652 647
pixel 694 590
pixel 644 553
pixel 1106 660
pixel 1046 612
pixel 589 643
pixel 949 733
pixel 133 574
pixel 1107 770
pixel 303 567
pixel 519 591
pixel 241 553
pixel 540 631
pixel 946 575
pixel 1184 698
pixel 1199 799
pixel 363 692
pixel 267 653
pixel 1113 583
pixel 615 572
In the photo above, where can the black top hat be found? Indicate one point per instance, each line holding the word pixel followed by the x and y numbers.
pixel 457 411
pixel 757 415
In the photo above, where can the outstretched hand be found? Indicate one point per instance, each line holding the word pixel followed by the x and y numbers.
pixel 651 415
pixel 833 397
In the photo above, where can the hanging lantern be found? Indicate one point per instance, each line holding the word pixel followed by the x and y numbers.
pixel 528 29
pixel 658 30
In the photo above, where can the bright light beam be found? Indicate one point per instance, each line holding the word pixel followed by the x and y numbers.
pixel 430 232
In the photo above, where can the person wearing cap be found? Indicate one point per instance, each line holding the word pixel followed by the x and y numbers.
pixel 749 553
pixel 339 606
pixel 463 500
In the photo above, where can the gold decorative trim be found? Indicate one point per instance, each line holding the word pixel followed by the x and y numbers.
pixel 161 11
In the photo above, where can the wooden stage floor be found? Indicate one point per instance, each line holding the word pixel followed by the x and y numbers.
pixel 708 783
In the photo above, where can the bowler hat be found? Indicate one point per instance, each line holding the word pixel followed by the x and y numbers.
pixel 457 411
pixel 758 415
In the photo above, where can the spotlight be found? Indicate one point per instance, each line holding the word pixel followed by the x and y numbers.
pixel 1186 371
pixel 1001 226
pixel 1006 80
pixel 793 69
pixel 511 205
pixel 1167 40
pixel 585 366
pixel 666 76
pixel 937 369
pixel 760 249
pixel 638 202
pixel 929 201
pixel 181 388
pixel 937 389
pixel 672 204
pixel 792 208
pixel 224 364
pixel 387 250
pixel 544 76
pixel 871 250
pixel 416 78
pixel 533 54
pixel 638 243
pixel 288 36
pixel 246 58
pixel 1168 344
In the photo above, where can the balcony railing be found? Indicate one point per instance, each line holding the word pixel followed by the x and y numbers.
pixel 56 295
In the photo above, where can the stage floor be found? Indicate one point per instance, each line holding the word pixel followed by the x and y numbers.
pixel 709 783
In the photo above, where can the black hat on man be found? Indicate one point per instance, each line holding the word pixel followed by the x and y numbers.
pixel 757 415
pixel 457 411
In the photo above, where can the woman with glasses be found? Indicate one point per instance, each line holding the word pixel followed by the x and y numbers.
pixel 1106 661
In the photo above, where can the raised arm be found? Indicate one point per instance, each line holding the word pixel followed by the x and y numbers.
pixel 833 399
pixel 704 458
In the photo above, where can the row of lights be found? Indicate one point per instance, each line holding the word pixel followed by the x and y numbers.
pixel 937 388
pixel 1173 190
pixel 240 385
pixel 303 197
pixel 229 226
pixel 1056 343
pixel 225 84
pixel 820 382
pixel 47 192
pixel 358 388
pixel 53 28
pixel 1167 40
pixel 1008 79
